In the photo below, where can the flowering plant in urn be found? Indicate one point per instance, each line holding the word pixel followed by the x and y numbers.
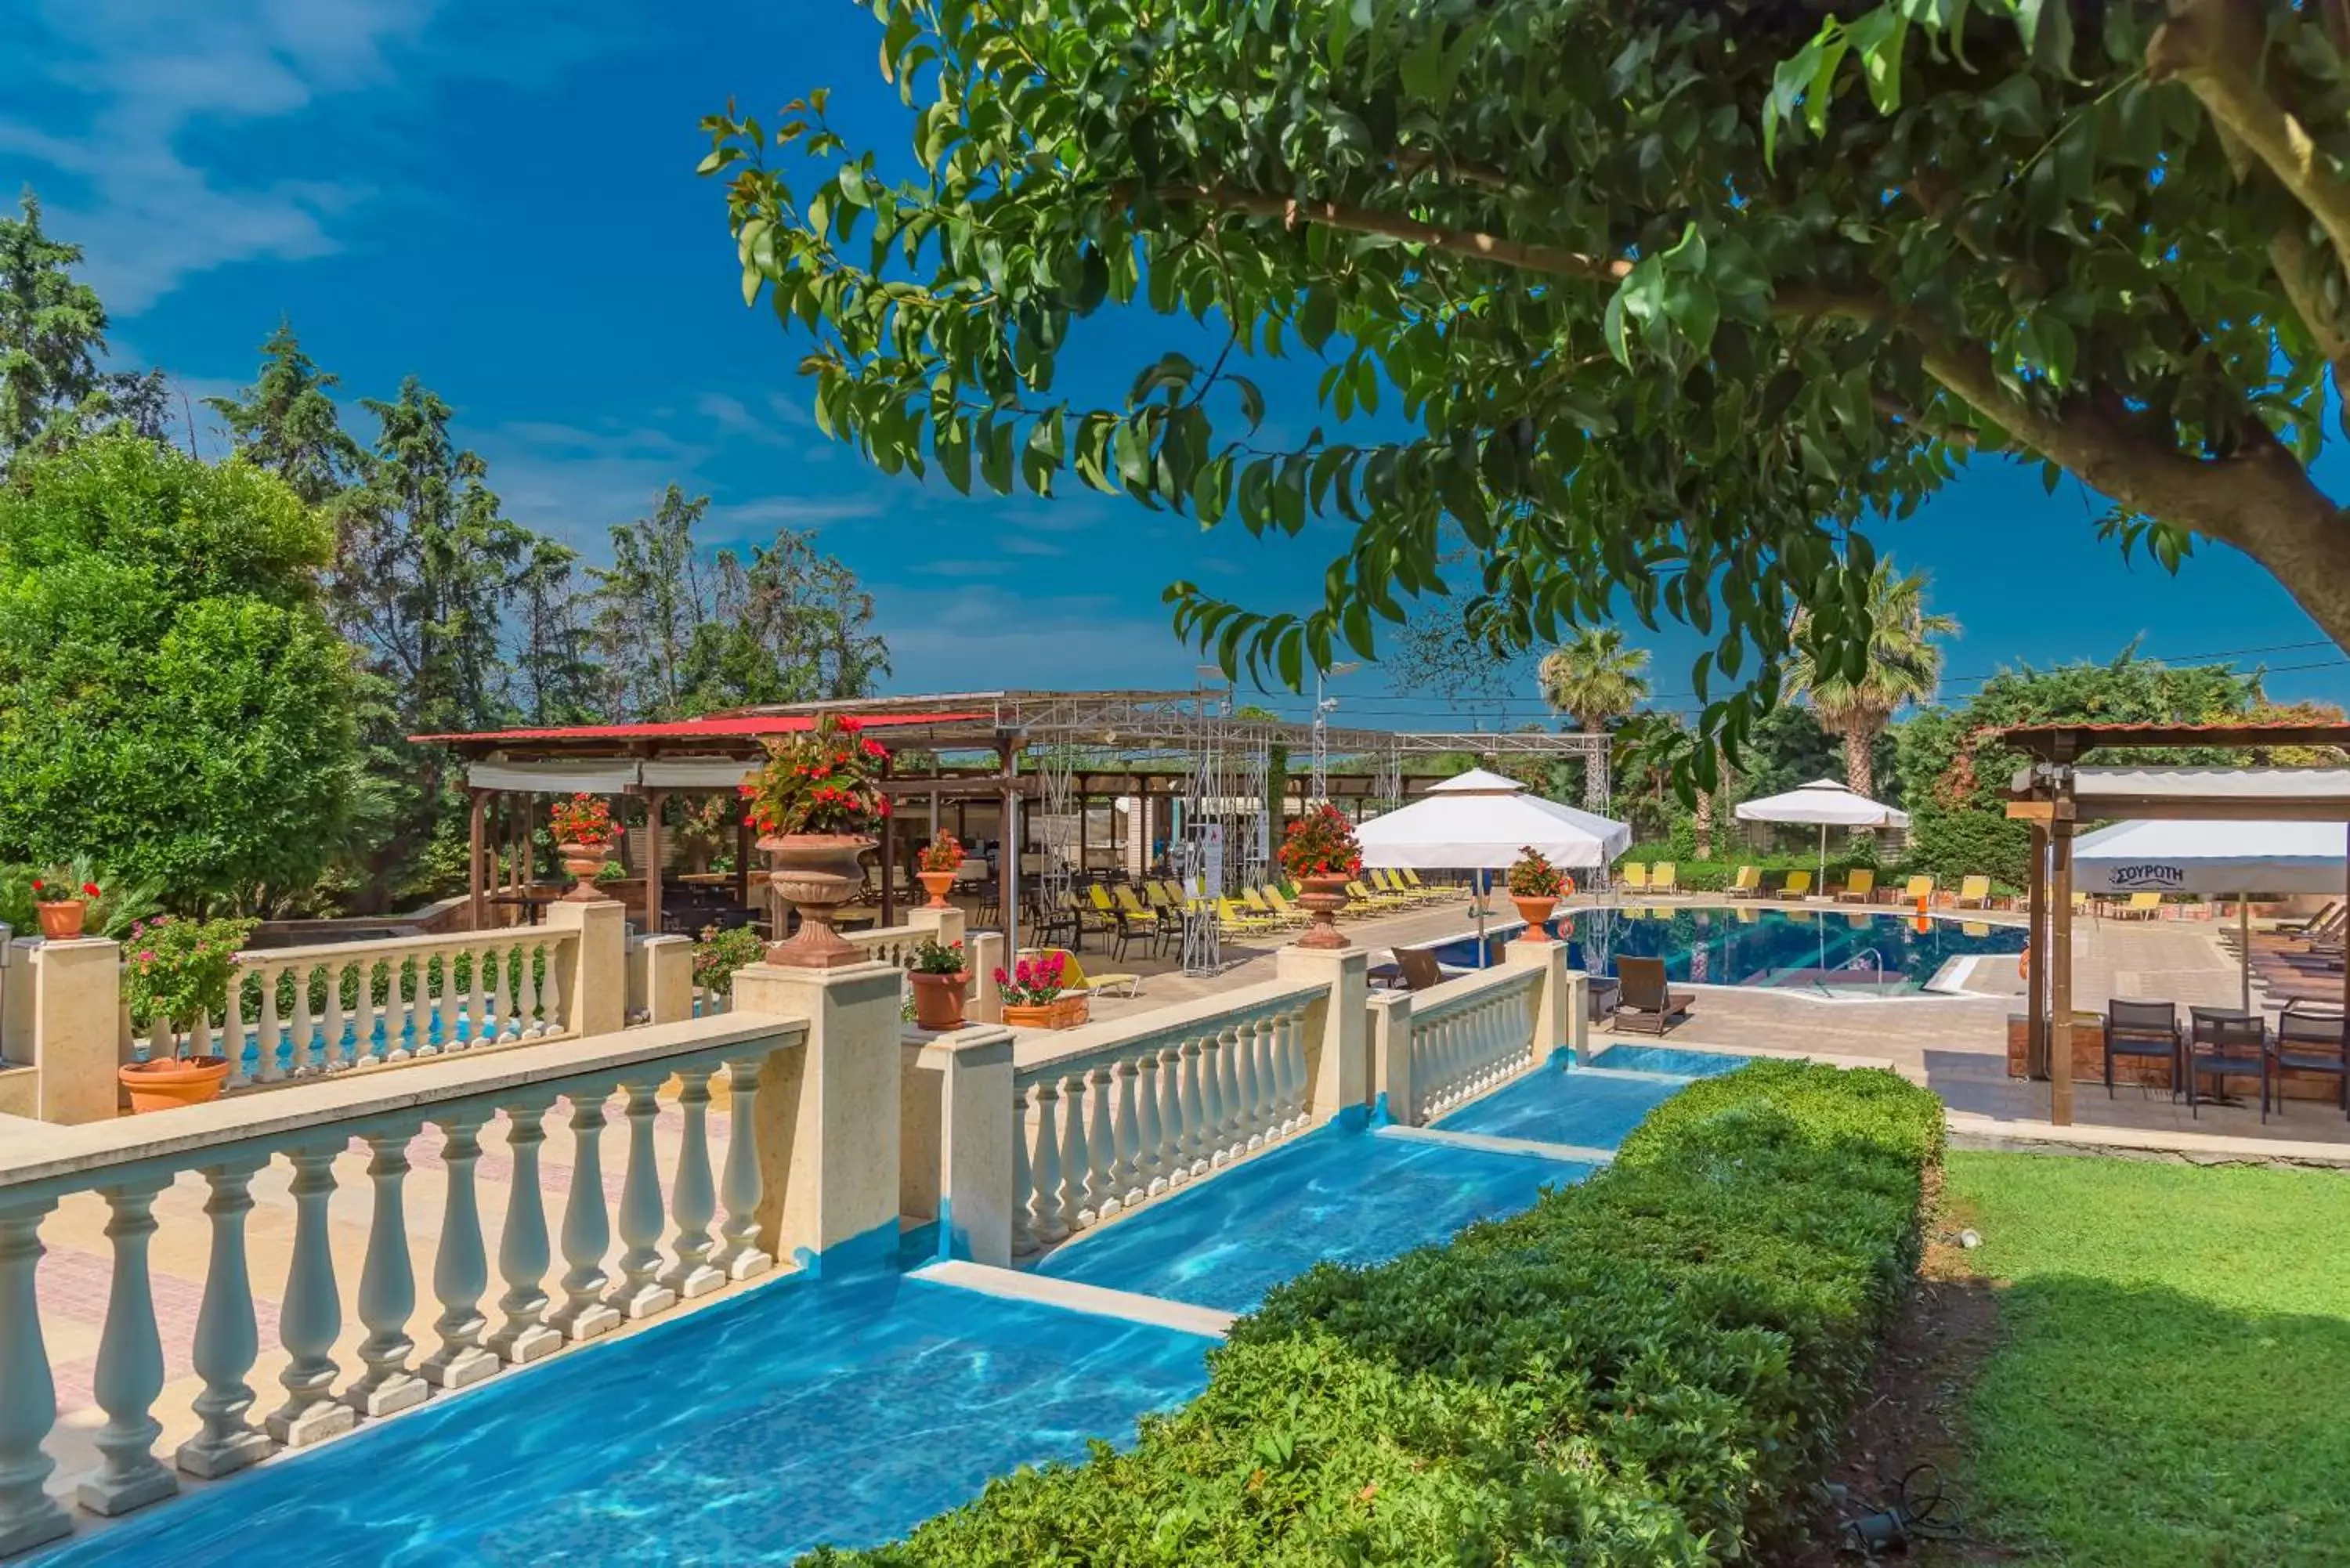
pixel 1535 887
pixel 817 806
pixel 583 829
pixel 1321 852
pixel 936 863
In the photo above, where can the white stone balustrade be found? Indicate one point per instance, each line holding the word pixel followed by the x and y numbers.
pixel 1105 1116
pixel 437 1108
pixel 1435 1049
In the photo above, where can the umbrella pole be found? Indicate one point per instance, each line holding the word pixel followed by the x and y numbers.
pixel 1822 885
pixel 1484 881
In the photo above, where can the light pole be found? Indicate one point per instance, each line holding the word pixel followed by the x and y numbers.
pixel 1323 708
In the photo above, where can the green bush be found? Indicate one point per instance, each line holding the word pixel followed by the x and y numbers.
pixel 1651 1367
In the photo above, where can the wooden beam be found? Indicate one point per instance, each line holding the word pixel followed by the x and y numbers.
pixel 654 801
pixel 2040 811
pixel 2035 957
pixel 477 854
pixel 2059 975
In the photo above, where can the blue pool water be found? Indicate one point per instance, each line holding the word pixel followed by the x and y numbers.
pixel 1559 1104
pixel 1349 1196
pixel 1842 952
pixel 841 1411
pixel 1667 1059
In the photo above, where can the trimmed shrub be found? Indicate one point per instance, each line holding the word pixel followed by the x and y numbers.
pixel 1651 1367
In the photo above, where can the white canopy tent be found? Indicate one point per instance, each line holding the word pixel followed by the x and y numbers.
pixel 2230 859
pixel 1828 804
pixel 1481 821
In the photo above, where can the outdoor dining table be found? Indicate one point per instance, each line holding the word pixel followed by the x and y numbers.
pixel 533 901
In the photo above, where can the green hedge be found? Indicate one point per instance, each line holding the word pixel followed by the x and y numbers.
pixel 1651 1367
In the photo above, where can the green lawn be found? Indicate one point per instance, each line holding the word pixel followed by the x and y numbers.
pixel 2172 1383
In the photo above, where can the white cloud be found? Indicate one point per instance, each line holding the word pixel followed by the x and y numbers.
pixel 124 88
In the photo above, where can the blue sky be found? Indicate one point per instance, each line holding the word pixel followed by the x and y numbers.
pixel 501 200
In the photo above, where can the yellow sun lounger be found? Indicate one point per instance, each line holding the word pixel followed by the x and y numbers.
pixel 1230 919
pixel 1974 892
pixel 1661 880
pixel 1859 887
pixel 1074 977
pixel 1363 895
pixel 1919 888
pixel 1634 876
pixel 1746 884
pixel 1798 884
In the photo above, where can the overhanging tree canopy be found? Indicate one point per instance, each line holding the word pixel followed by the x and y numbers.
pixel 1673 294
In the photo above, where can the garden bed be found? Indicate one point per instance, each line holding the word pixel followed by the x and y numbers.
pixel 1651 1367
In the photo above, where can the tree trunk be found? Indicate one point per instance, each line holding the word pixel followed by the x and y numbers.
pixel 1859 771
pixel 1701 815
pixel 1595 779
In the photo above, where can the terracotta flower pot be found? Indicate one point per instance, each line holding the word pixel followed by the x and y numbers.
pixel 937 1000
pixel 1535 913
pixel 583 861
pixel 1071 1009
pixel 167 1083
pixel 816 872
pixel 61 922
pixel 1035 1015
pixel 937 882
pixel 1322 897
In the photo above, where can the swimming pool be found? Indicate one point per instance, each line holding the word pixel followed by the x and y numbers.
pixel 1825 951
pixel 804 1412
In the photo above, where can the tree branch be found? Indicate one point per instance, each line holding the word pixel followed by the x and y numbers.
pixel 1294 211
pixel 2215 49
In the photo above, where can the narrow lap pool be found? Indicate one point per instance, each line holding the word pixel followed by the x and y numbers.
pixel 1826 951
pixel 1347 1197
pixel 841 1411
pixel 1669 1059
pixel 1560 1104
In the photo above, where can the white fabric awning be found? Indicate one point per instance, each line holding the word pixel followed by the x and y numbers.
pixel 556 775
pixel 2213 857
pixel 1822 803
pixel 1483 821
pixel 695 773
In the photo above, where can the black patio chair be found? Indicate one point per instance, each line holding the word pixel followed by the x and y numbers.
pixel 2141 1028
pixel 2225 1046
pixel 2311 1041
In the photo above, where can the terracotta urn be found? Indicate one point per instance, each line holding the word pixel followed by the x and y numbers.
pixel 937 1000
pixel 583 861
pixel 166 1083
pixel 1535 913
pixel 1071 1009
pixel 1033 1015
pixel 816 872
pixel 937 882
pixel 1322 897
pixel 61 920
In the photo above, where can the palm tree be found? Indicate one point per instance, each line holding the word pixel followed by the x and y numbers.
pixel 1904 665
pixel 1596 679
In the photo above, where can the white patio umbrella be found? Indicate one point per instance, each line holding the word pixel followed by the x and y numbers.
pixel 1827 803
pixel 1482 821
pixel 2232 859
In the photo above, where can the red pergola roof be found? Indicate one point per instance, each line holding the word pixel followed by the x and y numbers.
pixel 696 729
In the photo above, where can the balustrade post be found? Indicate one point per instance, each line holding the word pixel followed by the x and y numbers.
pixel 524 1335
pixel 1101 1151
pixel 1172 1168
pixel 1024 1179
pixel 588 986
pixel 1392 1066
pixel 480 1027
pixel 979 1190
pixel 266 1037
pixel 741 1188
pixel 1076 1211
pixel 311 1314
pixel 1257 1061
pixel 387 1286
pixel 130 1364
pixel 460 1264
pixel 693 1200
pixel 513 976
pixel 332 1056
pixel 587 1227
pixel 1050 1225
pixel 1124 1185
pixel 639 1293
pixel 1198 1113
pixel 1292 1071
pixel 669 979
pixel 228 1338
pixel 76 1028
pixel 1230 1142
pixel 28 1398
pixel 1149 1165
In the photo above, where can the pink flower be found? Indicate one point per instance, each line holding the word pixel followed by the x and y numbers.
pixel 147 955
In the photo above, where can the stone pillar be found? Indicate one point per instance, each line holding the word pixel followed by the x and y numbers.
pixel 1390 1028
pixel 947 924
pixel 595 980
pixel 17 988
pixel 1559 1006
pixel 985 1004
pixel 669 979
pixel 963 1163
pixel 1337 1042
pixel 828 1116
pixel 78 1028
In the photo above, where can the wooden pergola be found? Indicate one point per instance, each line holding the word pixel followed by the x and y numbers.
pixel 2057 797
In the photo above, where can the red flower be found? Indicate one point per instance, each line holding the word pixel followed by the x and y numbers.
pixel 89 889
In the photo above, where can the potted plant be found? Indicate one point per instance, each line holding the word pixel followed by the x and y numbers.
pixel 1320 854
pixel 936 866
pixel 939 977
pixel 177 973
pixel 719 954
pixel 1034 994
pixel 584 835
pixel 61 902
pixel 816 805
pixel 1535 887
